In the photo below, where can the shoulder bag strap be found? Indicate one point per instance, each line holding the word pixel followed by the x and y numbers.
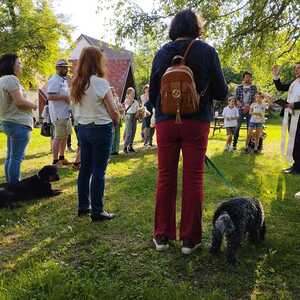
pixel 188 50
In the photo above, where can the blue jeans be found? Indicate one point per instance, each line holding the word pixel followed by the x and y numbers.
pixel 17 139
pixel 95 145
pixel 243 115
pixel 130 130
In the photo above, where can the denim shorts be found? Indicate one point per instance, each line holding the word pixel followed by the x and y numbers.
pixel 256 125
pixel 230 130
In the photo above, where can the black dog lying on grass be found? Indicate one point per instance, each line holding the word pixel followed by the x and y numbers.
pixel 235 219
pixel 31 188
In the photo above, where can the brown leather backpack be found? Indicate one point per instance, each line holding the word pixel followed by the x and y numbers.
pixel 179 95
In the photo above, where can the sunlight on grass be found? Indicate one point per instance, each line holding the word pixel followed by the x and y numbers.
pixel 49 253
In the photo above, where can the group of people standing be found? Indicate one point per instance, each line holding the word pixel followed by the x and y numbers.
pixel 247 104
pixel 97 115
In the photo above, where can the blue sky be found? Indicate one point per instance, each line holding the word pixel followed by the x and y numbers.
pixel 83 15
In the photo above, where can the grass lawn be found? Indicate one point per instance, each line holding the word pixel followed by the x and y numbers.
pixel 46 252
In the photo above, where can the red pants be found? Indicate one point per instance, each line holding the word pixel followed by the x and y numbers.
pixel 191 137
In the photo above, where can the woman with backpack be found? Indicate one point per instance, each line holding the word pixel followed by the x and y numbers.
pixel 183 102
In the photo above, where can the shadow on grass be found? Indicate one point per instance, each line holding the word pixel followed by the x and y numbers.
pixel 50 231
pixel 29 157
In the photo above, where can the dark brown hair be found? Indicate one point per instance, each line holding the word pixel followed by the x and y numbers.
pixel 7 63
pixel 186 24
pixel 246 73
pixel 91 62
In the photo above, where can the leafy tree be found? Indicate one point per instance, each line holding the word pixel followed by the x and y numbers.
pixel 249 35
pixel 31 29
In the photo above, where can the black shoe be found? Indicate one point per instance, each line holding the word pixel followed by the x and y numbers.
pixel 125 150
pixel 130 149
pixel 83 212
pixel 114 153
pixel 161 242
pixel 102 216
pixel 292 171
pixel 288 170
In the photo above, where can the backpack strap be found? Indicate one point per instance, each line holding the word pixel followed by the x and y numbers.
pixel 188 50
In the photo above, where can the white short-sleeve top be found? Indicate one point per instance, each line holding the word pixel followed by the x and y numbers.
pixel 58 85
pixel 92 108
pixel 9 111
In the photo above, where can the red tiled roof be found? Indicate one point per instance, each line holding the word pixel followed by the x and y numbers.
pixel 117 74
pixel 119 63
pixel 111 51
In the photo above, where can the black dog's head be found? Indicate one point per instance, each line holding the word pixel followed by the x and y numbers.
pixel 224 223
pixel 48 173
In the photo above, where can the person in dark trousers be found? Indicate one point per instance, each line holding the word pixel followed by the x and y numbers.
pixel 95 112
pixel 245 94
pixel 291 120
pixel 190 136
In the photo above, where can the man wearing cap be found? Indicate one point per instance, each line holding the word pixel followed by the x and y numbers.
pixel 59 109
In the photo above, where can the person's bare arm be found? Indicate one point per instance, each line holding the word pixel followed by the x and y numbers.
pixel 20 101
pixel 111 107
pixel 55 97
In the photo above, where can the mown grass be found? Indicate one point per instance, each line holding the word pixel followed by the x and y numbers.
pixel 48 253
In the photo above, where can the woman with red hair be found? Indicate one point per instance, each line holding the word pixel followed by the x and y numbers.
pixel 95 113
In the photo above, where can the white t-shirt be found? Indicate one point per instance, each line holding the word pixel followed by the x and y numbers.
pixel 92 108
pixel 294 91
pixel 258 108
pixel 58 110
pixel 230 113
pixel 9 111
pixel 133 108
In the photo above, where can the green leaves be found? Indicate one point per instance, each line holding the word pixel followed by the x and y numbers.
pixel 31 29
pixel 249 34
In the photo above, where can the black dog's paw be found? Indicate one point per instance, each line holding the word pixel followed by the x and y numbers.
pixel 214 251
pixel 232 261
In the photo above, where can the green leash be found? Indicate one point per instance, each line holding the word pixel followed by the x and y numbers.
pixel 209 164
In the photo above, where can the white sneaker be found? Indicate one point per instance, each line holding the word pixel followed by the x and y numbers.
pixel 161 243
pixel 189 249
pixel 297 196
pixel 226 148
pixel 230 148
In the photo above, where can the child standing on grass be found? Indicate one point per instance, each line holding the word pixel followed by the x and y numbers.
pixel 131 108
pixel 257 112
pixel 231 116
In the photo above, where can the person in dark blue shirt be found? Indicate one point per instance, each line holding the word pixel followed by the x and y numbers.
pixel 190 136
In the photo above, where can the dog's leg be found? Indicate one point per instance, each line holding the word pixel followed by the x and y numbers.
pixel 233 243
pixel 262 232
pixel 253 236
pixel 217 237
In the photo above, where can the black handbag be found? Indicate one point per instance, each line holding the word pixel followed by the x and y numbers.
pixel 46 129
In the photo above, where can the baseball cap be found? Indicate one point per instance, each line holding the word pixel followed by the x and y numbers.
pixel 62 63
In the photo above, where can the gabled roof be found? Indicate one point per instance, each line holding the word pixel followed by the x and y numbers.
pixel 119 62
pixel 111 51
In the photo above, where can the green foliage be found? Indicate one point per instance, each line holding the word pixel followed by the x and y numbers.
pixel 49 253
pixel 249 35
pixel 31 29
